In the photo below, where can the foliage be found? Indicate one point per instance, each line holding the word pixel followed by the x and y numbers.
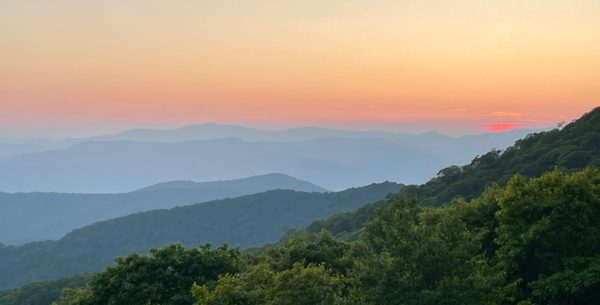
pixel 42 293
pixel 316 249
pixel 346 225
pixel 252 220
pixel 163 277
pixel 74 296
pixel 535 242
pixel 549 237
pixel 423 256
pixel 298 285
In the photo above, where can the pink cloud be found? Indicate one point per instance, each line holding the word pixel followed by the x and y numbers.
pixel 502 126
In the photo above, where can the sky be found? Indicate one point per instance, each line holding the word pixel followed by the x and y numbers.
pixel 453 66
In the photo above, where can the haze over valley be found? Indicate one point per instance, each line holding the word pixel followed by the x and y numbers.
pixel 333 159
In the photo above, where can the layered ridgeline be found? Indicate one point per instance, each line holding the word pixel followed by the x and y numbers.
pixel 462 253
pixel 211 131
pixel 17 146
pixel 534 242
pixel 573 147
pixel 26 217
pixel 332 159
pixel 246 221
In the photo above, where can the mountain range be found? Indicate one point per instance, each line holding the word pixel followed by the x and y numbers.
pixel 257 219
pixel 246 221
pixel 212 131
pixel 26 217
pixel 334 159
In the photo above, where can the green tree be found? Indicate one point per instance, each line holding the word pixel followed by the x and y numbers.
pixel 423 256
pixel 321 248
pixel 549 237
pixel 306 285
pixel 163 277
pixel 252 287
pixel 299 285
pixel 42 293
pixel 74 296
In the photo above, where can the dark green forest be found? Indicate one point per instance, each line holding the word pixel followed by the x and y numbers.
pixel 247 221
pixel 44 292
pixel 536 241
pixel 515 227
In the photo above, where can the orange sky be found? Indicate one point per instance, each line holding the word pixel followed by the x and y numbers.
pixel 453 66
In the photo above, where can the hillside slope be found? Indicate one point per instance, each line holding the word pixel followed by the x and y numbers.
pixel 26 217
pixel 246 221
pixel 571 148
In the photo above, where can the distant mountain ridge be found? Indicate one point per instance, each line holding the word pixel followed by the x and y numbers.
pixel 212 131
pixel 26 217
pixel 246 221
pixel 272 181
pixel 14 146
pixel 336 163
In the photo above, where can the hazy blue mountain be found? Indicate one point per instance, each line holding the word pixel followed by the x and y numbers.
pixel 26 217
pixel 333 162
pixel 245 221
pixel 212 131
pixel 17 146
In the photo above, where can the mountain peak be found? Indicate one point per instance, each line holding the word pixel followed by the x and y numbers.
pixel 273 180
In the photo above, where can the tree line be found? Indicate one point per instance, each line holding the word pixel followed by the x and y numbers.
pixel 534 241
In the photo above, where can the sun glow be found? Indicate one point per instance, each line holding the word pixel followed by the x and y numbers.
pixel 527 64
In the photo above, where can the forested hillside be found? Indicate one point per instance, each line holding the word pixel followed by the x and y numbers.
pixel 252 220
pixel 26 217
pixel 42 293
pixel 534 242
pixel 573 147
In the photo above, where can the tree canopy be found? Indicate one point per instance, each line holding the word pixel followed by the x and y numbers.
pixel 536 241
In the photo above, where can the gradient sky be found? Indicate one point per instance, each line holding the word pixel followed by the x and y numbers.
pixel 455 66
